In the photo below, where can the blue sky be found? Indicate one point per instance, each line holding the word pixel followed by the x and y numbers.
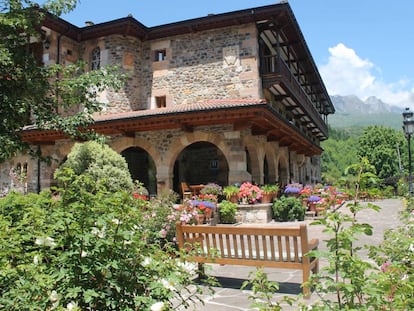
pixel 361 47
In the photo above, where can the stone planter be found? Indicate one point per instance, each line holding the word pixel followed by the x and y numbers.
pixel 254 213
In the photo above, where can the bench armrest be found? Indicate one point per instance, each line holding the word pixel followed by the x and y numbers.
pixel 313 244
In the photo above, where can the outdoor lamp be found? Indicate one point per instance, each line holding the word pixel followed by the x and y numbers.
pixel 408 127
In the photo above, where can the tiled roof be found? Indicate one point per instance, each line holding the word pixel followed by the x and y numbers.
pixel 209 105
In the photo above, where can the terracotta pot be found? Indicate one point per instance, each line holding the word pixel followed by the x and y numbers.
pixel 267 198
pixel 200 219
pixel 208 213
pixel 234 198
pixel 312 206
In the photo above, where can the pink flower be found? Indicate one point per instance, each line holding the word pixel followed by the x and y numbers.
pixel 384 266
pixel 163 233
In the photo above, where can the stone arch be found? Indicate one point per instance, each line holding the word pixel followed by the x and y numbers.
pixel 141 150
pixel 283 169
pixel 123 143
pixel 186 140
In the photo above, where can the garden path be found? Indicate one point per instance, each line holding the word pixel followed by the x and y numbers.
pixel 229 297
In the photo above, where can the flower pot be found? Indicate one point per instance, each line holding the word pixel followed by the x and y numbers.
pixel 200 219
pixel 234 198
pixel 267 198
pixel 208 213
pixel 312 206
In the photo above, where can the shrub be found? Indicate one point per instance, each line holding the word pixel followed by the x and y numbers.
pixel 227 212
pixel 86 249
pixel 288 209
pixel 99 162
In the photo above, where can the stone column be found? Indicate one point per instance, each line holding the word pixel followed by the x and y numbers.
pixel 164 179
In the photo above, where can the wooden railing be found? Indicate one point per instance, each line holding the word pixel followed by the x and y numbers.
pixel 275 71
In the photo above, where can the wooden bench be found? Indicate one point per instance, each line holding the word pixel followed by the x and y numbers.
pixel 276 247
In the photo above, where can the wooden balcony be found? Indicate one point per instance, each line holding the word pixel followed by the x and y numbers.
pixel 275 72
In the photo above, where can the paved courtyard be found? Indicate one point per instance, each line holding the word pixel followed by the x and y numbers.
pixel 229 296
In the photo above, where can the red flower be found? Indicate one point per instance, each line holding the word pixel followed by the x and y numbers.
pixel 139 196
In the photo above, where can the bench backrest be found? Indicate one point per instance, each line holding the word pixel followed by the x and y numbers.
pixel 273 244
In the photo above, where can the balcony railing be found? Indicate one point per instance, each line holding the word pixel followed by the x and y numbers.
pixel 275 71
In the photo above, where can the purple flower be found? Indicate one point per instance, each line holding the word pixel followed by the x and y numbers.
pixel 208 204
pixel 292 190
pixel 314 198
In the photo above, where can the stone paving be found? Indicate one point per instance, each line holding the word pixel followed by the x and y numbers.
pixel 229 296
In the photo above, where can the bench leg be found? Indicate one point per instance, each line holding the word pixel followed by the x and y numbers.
pixel 201 271
pixel 306 291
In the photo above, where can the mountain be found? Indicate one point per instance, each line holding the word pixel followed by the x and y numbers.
pixel 352 112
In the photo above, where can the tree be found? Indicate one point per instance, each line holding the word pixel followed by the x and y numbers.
pixel 380 146
pixel 31 93
pixel 100 163
pixel 340 151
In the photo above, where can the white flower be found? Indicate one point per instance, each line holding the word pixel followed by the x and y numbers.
pixel 116 221
pixel 147 261
pixel 72 306
pixel 98 233
pixel 36 259
pixel 167 284
pixel 48 241
pixel 158 306
pixel 84 253
pixel 189 267
pixel 54 296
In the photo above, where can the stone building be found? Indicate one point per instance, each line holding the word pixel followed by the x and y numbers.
pixel 224 98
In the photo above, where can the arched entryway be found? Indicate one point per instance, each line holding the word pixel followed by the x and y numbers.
pixel 141 167
pixel 200 163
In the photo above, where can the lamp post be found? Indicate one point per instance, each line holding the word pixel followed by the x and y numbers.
pixel 408 127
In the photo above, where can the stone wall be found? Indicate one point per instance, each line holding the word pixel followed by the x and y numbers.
pixel 205 65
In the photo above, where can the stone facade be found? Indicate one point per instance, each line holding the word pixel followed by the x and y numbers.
pixel 221 63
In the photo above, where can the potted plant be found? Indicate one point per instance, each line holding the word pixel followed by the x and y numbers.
pixel 312 201
pixel 227 212
pixel 269 192
pixel 293 189
pixel 212 188
pixel 205 208
pixel 231 193
pixel 249 193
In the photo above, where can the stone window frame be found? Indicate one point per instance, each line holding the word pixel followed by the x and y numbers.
pixel 96 58
pixel 161 101
pixel 160 55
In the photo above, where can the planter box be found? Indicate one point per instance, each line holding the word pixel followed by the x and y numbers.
pixel 254 213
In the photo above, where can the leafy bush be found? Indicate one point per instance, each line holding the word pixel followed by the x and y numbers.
pixel 99 162
pixel 227 211
pixel 85 249
pixel 288 209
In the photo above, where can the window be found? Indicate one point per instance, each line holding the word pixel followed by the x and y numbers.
pixel 96 58
pixel 161 101
pixel 160 55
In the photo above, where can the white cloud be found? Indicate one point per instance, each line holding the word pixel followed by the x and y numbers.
pixel 348 74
